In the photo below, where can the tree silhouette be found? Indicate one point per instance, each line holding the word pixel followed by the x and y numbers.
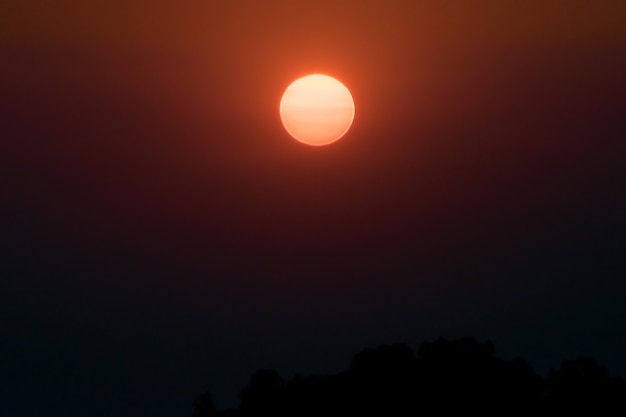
pixel 203 406
pixel 465 371
pixel 262 396
pixel 585 384
pixel 383 379
pixel 445 376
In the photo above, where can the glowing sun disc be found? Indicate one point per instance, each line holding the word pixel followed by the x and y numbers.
pixel 317 109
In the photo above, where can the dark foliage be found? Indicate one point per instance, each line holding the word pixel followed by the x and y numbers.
pixel 445 376
pixel 203 406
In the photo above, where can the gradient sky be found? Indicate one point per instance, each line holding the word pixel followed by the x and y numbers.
pixel 162 235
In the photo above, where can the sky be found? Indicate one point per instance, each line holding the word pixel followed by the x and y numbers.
pixel 162 235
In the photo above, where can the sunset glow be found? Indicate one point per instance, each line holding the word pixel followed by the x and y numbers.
pixel 285 208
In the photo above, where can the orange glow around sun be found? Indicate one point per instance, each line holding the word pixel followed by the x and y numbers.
pixel 317 109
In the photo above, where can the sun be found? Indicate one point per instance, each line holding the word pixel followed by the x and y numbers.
pixel 317 109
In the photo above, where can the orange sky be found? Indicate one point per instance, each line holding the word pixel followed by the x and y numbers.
pixel 238 22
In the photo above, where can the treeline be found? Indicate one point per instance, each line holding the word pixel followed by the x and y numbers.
pixel 444 376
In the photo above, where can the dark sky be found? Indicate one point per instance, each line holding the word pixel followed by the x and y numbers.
pixel 162 235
